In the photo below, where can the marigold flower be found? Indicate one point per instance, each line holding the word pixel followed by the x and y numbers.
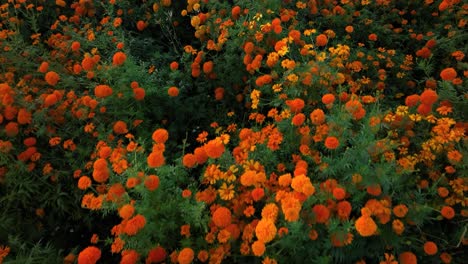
pixel 429 97
pixel 152 182
pixel 119 58
pixel 173 91
pixel 102 91
pixel 298 119
pixel 412 100
pixel 321 40
pixel 258 248
pixel 317 117
pixel 126 211
pixel 139 93
pixel 265 230
pixel 186 256
pixel 328 99
pixel 400 210
pixel 445 257
pixel 331 143
pixel 52 78
pixel 134 225
pixel 339 193
pixel 160 135
pixel 89 255
pixel 222 217
pixel 322 213
pixel 189 160
pixel 448 74
pixel 214 148
pixel 295 105
pixel 447 212
pixel 207 67
pixel 374 190
pixel 430 248
pixel 120 127
pixel 174 65
pixel 84 183
pixel 365 226
pixel 43 67
pixel 407 258
pixel 372 37
pixel 343 209
pixel 141 25
pixel 155 159
pixel 156 255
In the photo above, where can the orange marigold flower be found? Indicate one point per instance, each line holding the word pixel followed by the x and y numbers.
pixel 339 193
pixel 447 212
pixel 156 255
pixel 119 58
pixel 429 97
pixel 126 211
pixel 102 91
pixel 207 67
pixel 295 105
pixel 160 135
pixel 141 25
pixel 322 213
pixel 152 182
pixel 52 78
pixel 265 230
pixel 365 226
pixel 412 100
pixel 222 217
pixel 134 225
pixel 400 210
pixel 258 248
pixel 173 91
pixel 343 209
pixel 448 74
pixel 120 127
pixel 155 159
pixel 89 255
pixel 214 148
pixel 298 119
pixel 321 40
pixel 317 117
pixel 84 182
pixel 129 257
pixel 75 46
pixel 50 99
pixel 43 67
pixel 407 258
pixel 139 93
pixel 374 190
pixel 328 99
pixel 331 143
pixel 445 257
pixel 186 256
pixel 189 160
pixel 174 65
pixel 372 37
pixel 430 248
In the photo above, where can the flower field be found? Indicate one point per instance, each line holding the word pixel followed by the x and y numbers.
pixel 201 131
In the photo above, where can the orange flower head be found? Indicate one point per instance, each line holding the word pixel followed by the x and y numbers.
pixel 408 258
pixel 173 91
pixel 331 143
pixel 52 78
pixel 322 213
pixel 152 182
pixel 120 127
pixel 102 91
pixel 160 135
pixel 321 40
pixel 447 212
pixel 119 58
pixel 222 217
pixel 295 105
pixel 89 255
pixel 258 248
pixel 448 74
pixel 126 211
pixel 365 226
pixel 429 97
pixel 430 248
pixel 328 99
pixel 265 230
pixel 186 256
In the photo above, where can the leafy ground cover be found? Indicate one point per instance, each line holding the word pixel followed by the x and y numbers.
pixel 159 131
